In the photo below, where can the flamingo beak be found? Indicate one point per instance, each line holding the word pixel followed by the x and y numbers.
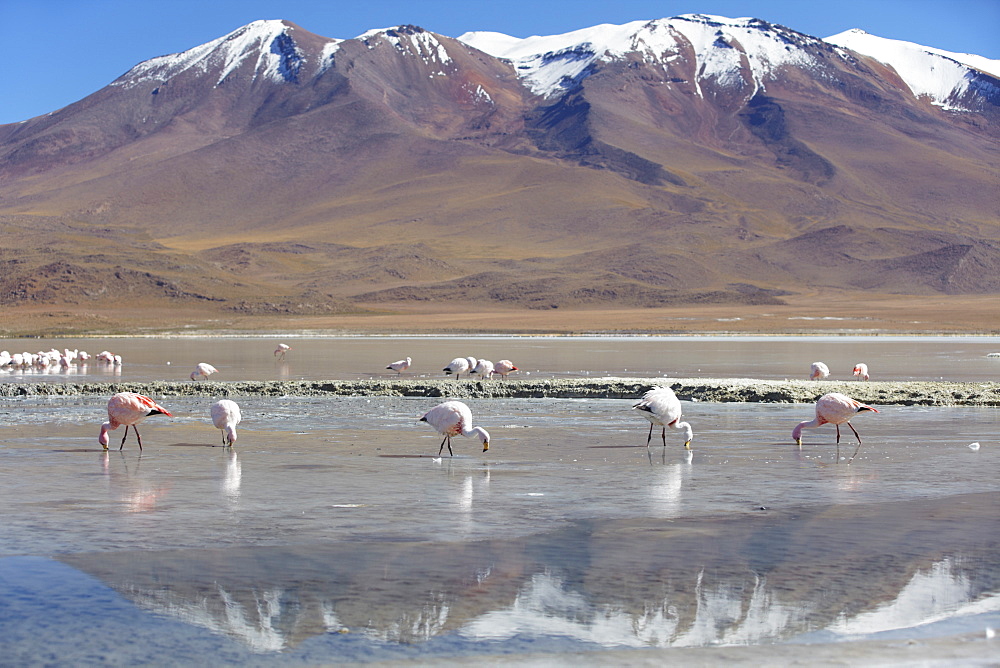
pixel 798 442
pixel 687 445
pixel 486 446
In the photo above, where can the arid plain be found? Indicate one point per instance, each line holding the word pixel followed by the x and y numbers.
pixel 808 314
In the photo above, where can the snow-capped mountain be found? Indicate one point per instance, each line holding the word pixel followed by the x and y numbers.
pixel 728 51
pixel 268 47
pixel 405 165
pixel 942 76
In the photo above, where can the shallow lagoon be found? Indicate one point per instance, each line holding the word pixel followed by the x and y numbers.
pixel 349 358
pixel 333 533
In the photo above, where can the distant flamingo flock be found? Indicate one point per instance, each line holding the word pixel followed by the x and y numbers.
pixel 660 405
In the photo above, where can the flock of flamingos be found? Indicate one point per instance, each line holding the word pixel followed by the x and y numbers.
pixel 660 406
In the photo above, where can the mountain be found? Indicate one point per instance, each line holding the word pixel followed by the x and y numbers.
pixel 684 161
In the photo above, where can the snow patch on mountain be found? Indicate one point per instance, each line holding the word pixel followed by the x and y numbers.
pixel 940 75
pixel 267 44
pixel 724 49
pixel 411 40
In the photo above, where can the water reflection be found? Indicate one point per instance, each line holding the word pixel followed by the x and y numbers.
pixel 135 493
pixel 665 492
pixel 232 478
pixel 619 583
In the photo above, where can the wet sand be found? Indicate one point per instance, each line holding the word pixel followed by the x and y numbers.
pixel 923 393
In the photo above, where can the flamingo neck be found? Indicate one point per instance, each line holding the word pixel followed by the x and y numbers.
pixel 230 434
pixel 688 432
pixel 103 438
pixel 478 432
pixel 807 424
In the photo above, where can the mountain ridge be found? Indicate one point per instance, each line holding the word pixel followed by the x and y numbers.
pixel 743 151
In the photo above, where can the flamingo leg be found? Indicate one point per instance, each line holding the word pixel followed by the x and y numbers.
pixel 123 438
pixel 857 449
pixel 856 434
pixel 663 436
pixel 449 447
pixel 650 437
pixel 442 446
pixel 838 433
pixel 138 437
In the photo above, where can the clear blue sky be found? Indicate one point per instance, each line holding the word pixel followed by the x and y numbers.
pixel 60 51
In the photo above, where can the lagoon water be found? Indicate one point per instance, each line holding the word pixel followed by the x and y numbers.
pixel 333 533
pixel 901 358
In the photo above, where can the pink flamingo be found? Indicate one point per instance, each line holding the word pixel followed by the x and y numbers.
pixel 129 409
pixel 819 371
pixel 861 371
pixel 504 367
pixel 662 407
pixel 451 419
pixel 400 366
pixel 836 409
pixel 225 416
pixel 281 350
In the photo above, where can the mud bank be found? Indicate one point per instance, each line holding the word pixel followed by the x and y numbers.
pixel 926 393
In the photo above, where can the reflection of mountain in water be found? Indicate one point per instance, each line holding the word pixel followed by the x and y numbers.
pixel 752 579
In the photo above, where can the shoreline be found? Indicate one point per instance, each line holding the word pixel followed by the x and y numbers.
pixel 725 390
pixel 602 334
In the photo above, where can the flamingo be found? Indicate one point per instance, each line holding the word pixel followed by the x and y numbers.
pixel 400 366
pixel 225 416
pixel 484 368
pixel 452 418
pixel 662 407
pixel 837 409
pixel 861 370
pixel 204 370
pixel 504 367
pixel 281 350
pixel 457 366
pixel 129 409
pixel 819 371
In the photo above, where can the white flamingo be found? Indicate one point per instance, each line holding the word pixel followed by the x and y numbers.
pixel 281 350
pixel 818 371
pixel 225 416
pixel 129 409
pixel 662 407
pixel 484 368
pixel 451 419
pixel 861 371
pixel 836 409
pixel 504 367
pixel 457 366
pixel 400 366
pixel 203 370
